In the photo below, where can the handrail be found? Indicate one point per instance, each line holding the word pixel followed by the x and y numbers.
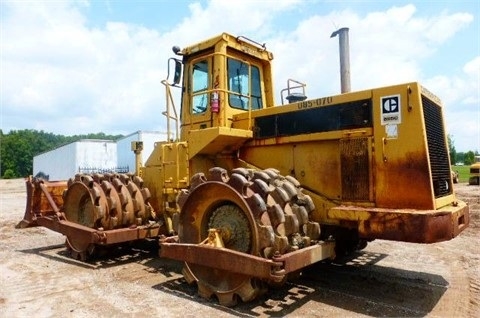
pixel 170 104
pixel 263 46
pixel 289 88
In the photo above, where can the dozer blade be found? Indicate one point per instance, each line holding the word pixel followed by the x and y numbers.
pixel 44 198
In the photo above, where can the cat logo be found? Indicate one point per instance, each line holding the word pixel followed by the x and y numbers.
pixel 391 110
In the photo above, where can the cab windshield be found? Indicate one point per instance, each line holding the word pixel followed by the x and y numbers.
pixel 244 89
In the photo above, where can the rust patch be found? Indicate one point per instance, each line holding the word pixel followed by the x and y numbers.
pixel 43 198
pixel 405 183
pixel 355 169
pixel 428 226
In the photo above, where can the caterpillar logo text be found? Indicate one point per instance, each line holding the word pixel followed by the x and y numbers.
pixel 391 109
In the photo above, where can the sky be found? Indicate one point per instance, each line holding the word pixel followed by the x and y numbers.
pixel 75 67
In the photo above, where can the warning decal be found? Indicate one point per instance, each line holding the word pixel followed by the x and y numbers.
pixel 390 110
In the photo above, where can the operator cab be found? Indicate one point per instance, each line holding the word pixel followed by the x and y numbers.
pixel 222 77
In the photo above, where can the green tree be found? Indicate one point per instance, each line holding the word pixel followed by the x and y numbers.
pixel 9 174
pixel 451 149
pixel 469 158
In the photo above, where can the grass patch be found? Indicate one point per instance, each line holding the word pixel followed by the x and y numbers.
pixel 463 172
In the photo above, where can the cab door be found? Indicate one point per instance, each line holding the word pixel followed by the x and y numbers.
pixel 198 95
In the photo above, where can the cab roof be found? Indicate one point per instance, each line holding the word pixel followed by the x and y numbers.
pixel 239 43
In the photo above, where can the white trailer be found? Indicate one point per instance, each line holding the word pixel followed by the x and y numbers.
pixel 64 162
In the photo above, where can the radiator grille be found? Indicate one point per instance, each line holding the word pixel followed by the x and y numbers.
pixel 437 148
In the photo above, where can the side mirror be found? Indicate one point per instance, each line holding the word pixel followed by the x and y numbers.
pixel 178 72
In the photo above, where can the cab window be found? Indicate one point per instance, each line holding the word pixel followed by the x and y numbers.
pixel 199 87
pixel 243 85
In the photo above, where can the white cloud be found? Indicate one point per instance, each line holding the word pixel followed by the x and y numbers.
pixel 236 17
pixel 385 48
pixel 441 28
pixel 461 97
pixel 56 67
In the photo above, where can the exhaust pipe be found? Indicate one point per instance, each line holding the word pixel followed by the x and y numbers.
pixel 344 58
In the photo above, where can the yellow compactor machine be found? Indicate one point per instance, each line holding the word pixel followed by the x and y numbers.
pixel 474 177
pixel 246 192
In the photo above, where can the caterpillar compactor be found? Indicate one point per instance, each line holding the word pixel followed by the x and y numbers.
pixel 246 192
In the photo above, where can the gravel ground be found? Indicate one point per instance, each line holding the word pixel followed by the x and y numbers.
pixel 38 279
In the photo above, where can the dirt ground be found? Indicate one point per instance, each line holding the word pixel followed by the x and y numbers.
pixel 38 279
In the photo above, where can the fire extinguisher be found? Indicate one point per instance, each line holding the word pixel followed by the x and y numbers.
pixel 215 102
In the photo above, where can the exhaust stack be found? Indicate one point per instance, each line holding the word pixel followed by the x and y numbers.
pixel 344 58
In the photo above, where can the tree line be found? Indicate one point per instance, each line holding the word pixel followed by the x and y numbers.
pixel 466 158
pixel 18 147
